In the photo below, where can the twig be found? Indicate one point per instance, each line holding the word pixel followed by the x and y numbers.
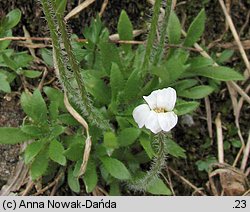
pixel 219 139
pixel 40 86
pixel 25 38
pixel 28 188
pixel 246 154
pixel 235 34
pixel 78 9
pixel 50 185
pixel 186 181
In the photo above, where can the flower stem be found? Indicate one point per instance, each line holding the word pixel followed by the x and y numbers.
pixel 156 167
pixel 162 42
pixel 152 34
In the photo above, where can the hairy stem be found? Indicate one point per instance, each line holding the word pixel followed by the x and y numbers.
pixel 162 42
pixel 152 34
pixel 156 167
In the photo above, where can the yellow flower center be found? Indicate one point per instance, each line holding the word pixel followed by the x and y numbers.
pixel 160 110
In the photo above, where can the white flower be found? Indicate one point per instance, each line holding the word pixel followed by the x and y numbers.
pixel 157 115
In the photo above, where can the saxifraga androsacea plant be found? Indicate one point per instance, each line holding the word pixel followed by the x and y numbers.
pixel 68 71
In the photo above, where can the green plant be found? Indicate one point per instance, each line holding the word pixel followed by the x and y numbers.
pixel 105 83
pixel 12 64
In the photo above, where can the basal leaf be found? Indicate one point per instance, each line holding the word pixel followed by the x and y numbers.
pixel 115 168
pixel 125 30
pixel 186 107
pixel 158 187
pixel 39 165
pixel 34 106
pixel 197 92
pixel 219 73
pixel 11 135
pixel 128 136
pixel 56 151
pixel 196 29
pixel 90 177
pixel 174 29
pixel 32 150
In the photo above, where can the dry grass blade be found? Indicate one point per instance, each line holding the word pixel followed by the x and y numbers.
pixel 209 117
pixel 104 5
pixel 78 9
pixel 235 34
pixel 219 139
pixel 186 181
pixel 88 142
pixel 246 154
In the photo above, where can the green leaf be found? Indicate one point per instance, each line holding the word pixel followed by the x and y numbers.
pixel 68 120
pixel 110 140
pixel 158 187
pixel 4 84
pixel 146 144
pixel 184 84
pixel 170 70
pixel 174 29
pixel 10 63
pixel 186 107
pixel 56 130
pixel 56 150
pixel 98 89
pixel 34 106
pixel 47 57
pixel 39 165
pixel 203 165
pixel 236 143
pixel 109 54
pixel 61 6
pixel 115 189
pixel 174 149
pixel 128 136
pixel 31 73
pixel 200 62
pixel 90 177
pixel 12 19
pixel 115 168
pixel 13 135
pixel 116 80
pixel 197 92
pixel 33 130
pixel 125 30
pixel 225 56
pixel 73 181
pixel 55 95
pixel 132 86
pixel 5 43
pixel 219 73
pixel 32 150
pixel 75 151
pixel 196 29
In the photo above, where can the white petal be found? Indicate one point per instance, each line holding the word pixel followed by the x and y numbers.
pixel 152 123
pixel 151 99
pixel 167 120
pixel 166 98
pixel 140 114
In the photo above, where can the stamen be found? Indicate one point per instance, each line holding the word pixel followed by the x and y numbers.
pixel 160 110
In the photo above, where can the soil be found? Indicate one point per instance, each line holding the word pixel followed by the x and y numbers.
pixel 11 115
pixel 194 137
